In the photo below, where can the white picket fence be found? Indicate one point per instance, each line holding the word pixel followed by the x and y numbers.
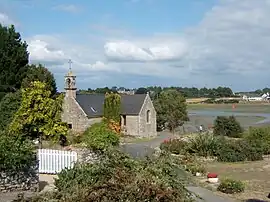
pixel 53 161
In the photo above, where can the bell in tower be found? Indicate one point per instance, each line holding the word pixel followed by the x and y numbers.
pixel 70 83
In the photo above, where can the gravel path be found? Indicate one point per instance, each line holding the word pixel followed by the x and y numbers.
pixel 207 195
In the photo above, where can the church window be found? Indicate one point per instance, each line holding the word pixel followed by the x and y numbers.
pixel 148 116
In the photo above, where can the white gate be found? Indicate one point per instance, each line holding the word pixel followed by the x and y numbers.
pixel 53 161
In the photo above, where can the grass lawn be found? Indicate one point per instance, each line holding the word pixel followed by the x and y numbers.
pixel 256 176
pixel 248 108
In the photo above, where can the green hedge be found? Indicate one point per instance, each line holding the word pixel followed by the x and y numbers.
pixel 16 154
pixel 99 137
pixel 227 126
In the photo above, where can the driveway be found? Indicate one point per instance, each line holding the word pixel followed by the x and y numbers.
pixel 145 148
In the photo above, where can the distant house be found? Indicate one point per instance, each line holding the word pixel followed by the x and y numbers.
pixel 138 115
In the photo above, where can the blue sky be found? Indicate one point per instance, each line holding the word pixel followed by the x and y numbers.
pixel 135 43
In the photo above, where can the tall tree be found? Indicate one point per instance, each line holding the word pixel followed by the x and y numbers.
pixel 8 107
pixel 171 110
pixel 13 58
pixel 39 73
pixel 141 91
pixel 39 115
pixel 112 107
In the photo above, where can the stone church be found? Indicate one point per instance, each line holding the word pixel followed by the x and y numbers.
pixel 138 115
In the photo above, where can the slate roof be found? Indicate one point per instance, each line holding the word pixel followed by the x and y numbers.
pixel 92 104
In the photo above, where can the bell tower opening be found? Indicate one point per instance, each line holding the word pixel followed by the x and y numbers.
pixel 70 83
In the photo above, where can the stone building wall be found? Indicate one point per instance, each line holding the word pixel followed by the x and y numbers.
pixel 147 129
pixel 22 181
pixel 74 115
pixel 132 125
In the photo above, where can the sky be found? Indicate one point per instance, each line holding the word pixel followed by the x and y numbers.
pixel 136 43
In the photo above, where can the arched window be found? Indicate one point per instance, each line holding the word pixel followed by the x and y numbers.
pixel 148 116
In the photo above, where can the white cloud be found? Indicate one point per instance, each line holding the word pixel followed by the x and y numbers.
pixel 128 51
pixel 233 37
pixel 230 44
pixel 43 52
pixel 68 8
pixel 6 20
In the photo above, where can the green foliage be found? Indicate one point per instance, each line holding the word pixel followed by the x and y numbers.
pixel 8 107
pixel 207 145
pixel 16 154
pixel 112 107
pixel 171 110
pixel 13 58
pixel 42 74
pixel 227 126
pixel 39 114
pixel 141 91
pixel 174 146
pixel 220 101
pixel 260 137
pixel 238 150
pixel 195 167
pixel 204 145
pixel 100 137
pixel 117 177
pixel 230 186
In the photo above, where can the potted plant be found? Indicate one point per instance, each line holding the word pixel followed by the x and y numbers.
pixel 212 177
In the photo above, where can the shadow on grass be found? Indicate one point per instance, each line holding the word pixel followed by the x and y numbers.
pixel 42 185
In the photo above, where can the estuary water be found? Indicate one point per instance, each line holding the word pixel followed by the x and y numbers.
pixel 266 116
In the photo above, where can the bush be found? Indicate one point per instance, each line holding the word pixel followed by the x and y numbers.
pixel 230 186
pixel 227 126
pixel 16 154
pixel 259 137
pixel 117 177
pixel 204 145
pixel 9 105
pixel 238 150
pixel 99 137
pixel 195 167
pixel 174 146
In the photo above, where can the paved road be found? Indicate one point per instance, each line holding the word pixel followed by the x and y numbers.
pixel 142 149
pixel 207 195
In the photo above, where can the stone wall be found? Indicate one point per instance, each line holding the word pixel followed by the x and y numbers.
pixel 22 181
pixel 147 129
pixel 74 115
pixel 132 125
pixel 85 155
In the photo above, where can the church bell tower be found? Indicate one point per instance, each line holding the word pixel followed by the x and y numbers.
pixel 70 83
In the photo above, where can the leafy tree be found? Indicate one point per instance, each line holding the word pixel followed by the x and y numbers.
pixel 8 107
pixel 141 91
pixel 227 126
pixel 103 90
pixel 13 58
pixel 99 137
pixel 16 154
pixel 39 115
pixel 39 73
pixel 171 110
pixel 112 107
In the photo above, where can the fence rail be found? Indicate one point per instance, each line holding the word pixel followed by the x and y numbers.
pixel 53 161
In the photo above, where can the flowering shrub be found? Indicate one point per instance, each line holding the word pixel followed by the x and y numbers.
pixel 212 175
pixel 174 146
pixel 230 186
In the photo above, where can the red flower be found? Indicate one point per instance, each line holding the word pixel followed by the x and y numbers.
pixel 212 175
